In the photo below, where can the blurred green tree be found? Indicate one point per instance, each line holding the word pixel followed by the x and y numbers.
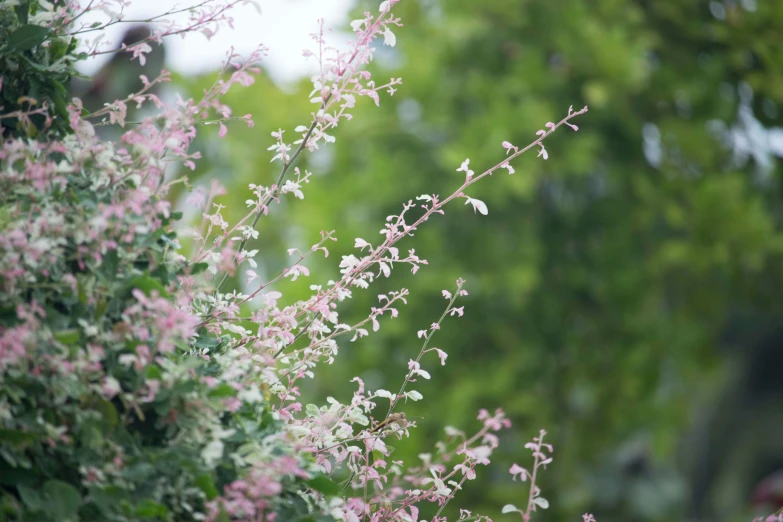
pixel 603 280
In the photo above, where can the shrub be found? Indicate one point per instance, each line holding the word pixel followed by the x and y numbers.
pixel 133 386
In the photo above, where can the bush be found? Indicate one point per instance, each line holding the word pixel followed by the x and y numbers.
pixel 132 386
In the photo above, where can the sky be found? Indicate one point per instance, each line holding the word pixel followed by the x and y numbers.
pixel 283 26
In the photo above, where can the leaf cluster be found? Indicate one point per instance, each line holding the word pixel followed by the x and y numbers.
pixel 37 62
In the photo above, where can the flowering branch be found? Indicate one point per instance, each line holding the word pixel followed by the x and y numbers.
pixel 394 232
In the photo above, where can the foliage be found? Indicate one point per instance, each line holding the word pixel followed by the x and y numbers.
pixel 37 57
pixel 104 416
pixel 133 385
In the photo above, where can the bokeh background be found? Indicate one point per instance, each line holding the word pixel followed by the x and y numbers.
pixel 625 295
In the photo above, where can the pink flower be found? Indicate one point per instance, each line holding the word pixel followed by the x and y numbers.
pixel 139 50
pixel 442 355
pixel 517 470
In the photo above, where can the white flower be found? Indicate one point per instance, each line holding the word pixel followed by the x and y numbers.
pixel 441 489
pixel 465 168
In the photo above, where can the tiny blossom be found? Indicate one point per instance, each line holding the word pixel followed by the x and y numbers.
pixel 464 168
pixel 518 471
pixel 441 355
pixel 139 51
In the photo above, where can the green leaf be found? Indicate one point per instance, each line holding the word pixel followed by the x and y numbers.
pixel 108 499
pixel 16 476
pixel 109 414
pixel 110 264
pixel 221 391
pixel 324 485
pixel 100 308
pixel 150 509
pixel 27 37
pixel 197 268
pixel 67 337
pixel 153 372
pixel 138 472
pixel 170 240
pixel 377 455
pixel 206 484
pixel 147 285
pixel 15 438
pixel 90 435
pixel 62 499
pixel 31 498
pixel 184 387
pixel 206 342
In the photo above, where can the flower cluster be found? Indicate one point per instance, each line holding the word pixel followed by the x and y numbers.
pixel 133 386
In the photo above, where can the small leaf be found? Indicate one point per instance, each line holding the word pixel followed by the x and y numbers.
pixel 541 502
pixel 197 268
pixel 324 485
pixel 15 438
pixel 153 372
pixel 221 391
pixel 206 342
pixel 509 508
pixel 62 499
pixel 414 395
pixel 149 509
pixel 109 414
pixel 67 337
pixel 207 485
pixel 27 37
pixel 147 285
pixel 30 498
